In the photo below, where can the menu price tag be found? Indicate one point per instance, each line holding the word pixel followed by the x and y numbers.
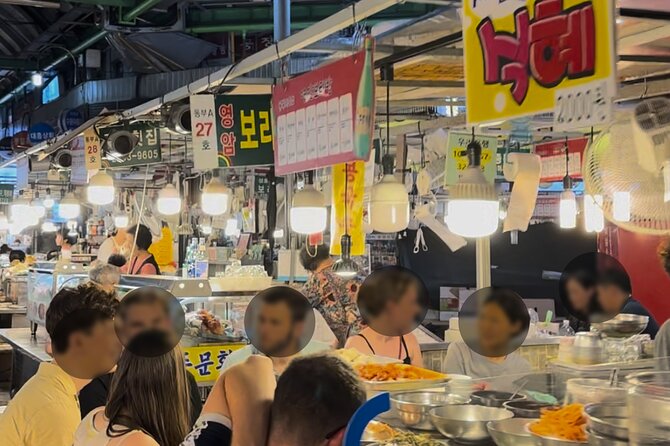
pixel 325 116
pixel 526 57
pixel 205 363
pixel 93 149
pixel 457 160
pixel 552 156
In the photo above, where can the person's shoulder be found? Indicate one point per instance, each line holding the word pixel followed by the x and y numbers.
pixel 315 347
pixel 136 438
pixel 238 355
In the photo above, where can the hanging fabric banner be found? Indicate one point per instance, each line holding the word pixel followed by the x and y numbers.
pixel 347 211
pixel 526 57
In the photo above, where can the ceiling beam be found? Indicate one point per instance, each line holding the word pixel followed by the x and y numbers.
pixel 124 3
pixel 11 63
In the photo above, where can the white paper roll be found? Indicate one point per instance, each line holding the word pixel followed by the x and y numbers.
pixel 524 169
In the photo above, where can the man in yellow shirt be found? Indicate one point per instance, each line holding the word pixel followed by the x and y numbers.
pixel 46 409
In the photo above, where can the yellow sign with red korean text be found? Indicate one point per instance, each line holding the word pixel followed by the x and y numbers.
pixel 526 57
pixel 347 213
pixel 205 363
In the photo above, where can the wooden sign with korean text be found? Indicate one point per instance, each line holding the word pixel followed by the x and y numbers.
pixel 93 149
pixel 203 133
pixel 525 57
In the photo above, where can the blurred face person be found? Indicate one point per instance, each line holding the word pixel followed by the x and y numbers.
pixel 496 329
pixel 278 331
pixel 402 313
pixel 145 316
pixel 579 295
pixel 611 298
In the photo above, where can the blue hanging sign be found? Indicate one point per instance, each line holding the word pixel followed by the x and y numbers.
pixel 70 119
pixel 40 132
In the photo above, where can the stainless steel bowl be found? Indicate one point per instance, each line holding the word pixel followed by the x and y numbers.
pixel 601 440
pixel 466 423
pixel 493 398
pixel 608 419
pixel 413 407
pixel 511 432
pixel 527 409
pixel 622 325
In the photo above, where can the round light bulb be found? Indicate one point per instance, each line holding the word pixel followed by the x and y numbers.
pixel 168 201
pixel 473 218
pixel 37 79
pixel 100 190
pixel 308 213
pixel 48 202
pixel 568 210
pixel 4 222
pixel 389 206
pixel 49 226
pixel 38 208
pixel 19 207
pixel 215 196
pixel 69 207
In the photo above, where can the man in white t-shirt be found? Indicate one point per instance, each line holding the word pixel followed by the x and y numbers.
pixel 116 244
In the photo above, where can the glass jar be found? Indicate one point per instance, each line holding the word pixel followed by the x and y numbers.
pixel 649 412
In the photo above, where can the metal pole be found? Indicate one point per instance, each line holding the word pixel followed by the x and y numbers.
pixel 483 259
pixel 282 19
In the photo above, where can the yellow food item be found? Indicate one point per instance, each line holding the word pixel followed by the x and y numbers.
pixel 566 423
pixel 394 372
pixel 379 431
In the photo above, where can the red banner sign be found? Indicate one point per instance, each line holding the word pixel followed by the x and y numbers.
pixel 552 154
pixel 326 116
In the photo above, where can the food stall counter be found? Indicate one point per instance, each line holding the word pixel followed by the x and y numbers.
pixel 28 352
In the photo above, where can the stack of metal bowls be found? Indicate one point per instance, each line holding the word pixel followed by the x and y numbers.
pixel 622 325
pixel 511 432
pixel 466 423
pixel 413 407
pixel 649 401
pixel 527 408
pixel 607 424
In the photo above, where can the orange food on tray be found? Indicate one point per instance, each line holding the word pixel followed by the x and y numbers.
pixel 566 423
pixel 394 372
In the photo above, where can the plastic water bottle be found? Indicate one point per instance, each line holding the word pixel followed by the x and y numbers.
pixel 190 258
pixel 202 260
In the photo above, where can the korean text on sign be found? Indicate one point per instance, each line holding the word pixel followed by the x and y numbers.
pixel 546 55
pixel 206 363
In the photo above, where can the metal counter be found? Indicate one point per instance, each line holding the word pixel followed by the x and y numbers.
pixel 28 352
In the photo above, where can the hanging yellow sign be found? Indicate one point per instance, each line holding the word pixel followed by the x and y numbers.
pixel 205 363
pixel 347 214
pixel 162 250
pixel 525 57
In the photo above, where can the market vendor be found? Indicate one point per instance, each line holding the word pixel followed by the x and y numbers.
pixel 142 263
pixel 389 303
pixel 117 243
pixel 333 296
pixel 64 243
pixel 615 296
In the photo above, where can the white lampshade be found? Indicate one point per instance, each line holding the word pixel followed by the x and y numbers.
pixel 121 220
pixel 215 196
pixel 308 212
pixel 568 210
pixel 389 205
pixel 168 201
pixel 621 206
pixel 48 201
pixel 594 220
pixel 15 228
pixel 19 207
pixel 38 208
pixel 37 79
pixel 100 190
pixel 473 218
pixel 69 207
pixel 49 226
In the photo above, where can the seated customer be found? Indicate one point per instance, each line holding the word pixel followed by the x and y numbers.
pixel 279 328
pixel 45 411
pixel 615 296
pixel 104 276
pixel 148 404
pixel 18 255
pixel 311 405
pixel 389 304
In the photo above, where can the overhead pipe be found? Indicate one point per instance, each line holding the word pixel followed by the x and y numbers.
pixel 129 16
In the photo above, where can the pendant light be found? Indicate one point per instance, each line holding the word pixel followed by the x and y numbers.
pixel 621 206
pixel 19 207
pixel 100 190
pixel 345 266
pixel 69 207
pixel 473 209
pixel 594 220
pixel 568 204
pixel 388 209
pixel 169 200
pixel 37 206
pixel 48 201
pixel 308 213
pixel 215 196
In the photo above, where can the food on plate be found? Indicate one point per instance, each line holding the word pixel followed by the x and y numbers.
pixel 395 372
pixel 565 423
pixel 204 323
pixel 411 439
pixel 377 431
